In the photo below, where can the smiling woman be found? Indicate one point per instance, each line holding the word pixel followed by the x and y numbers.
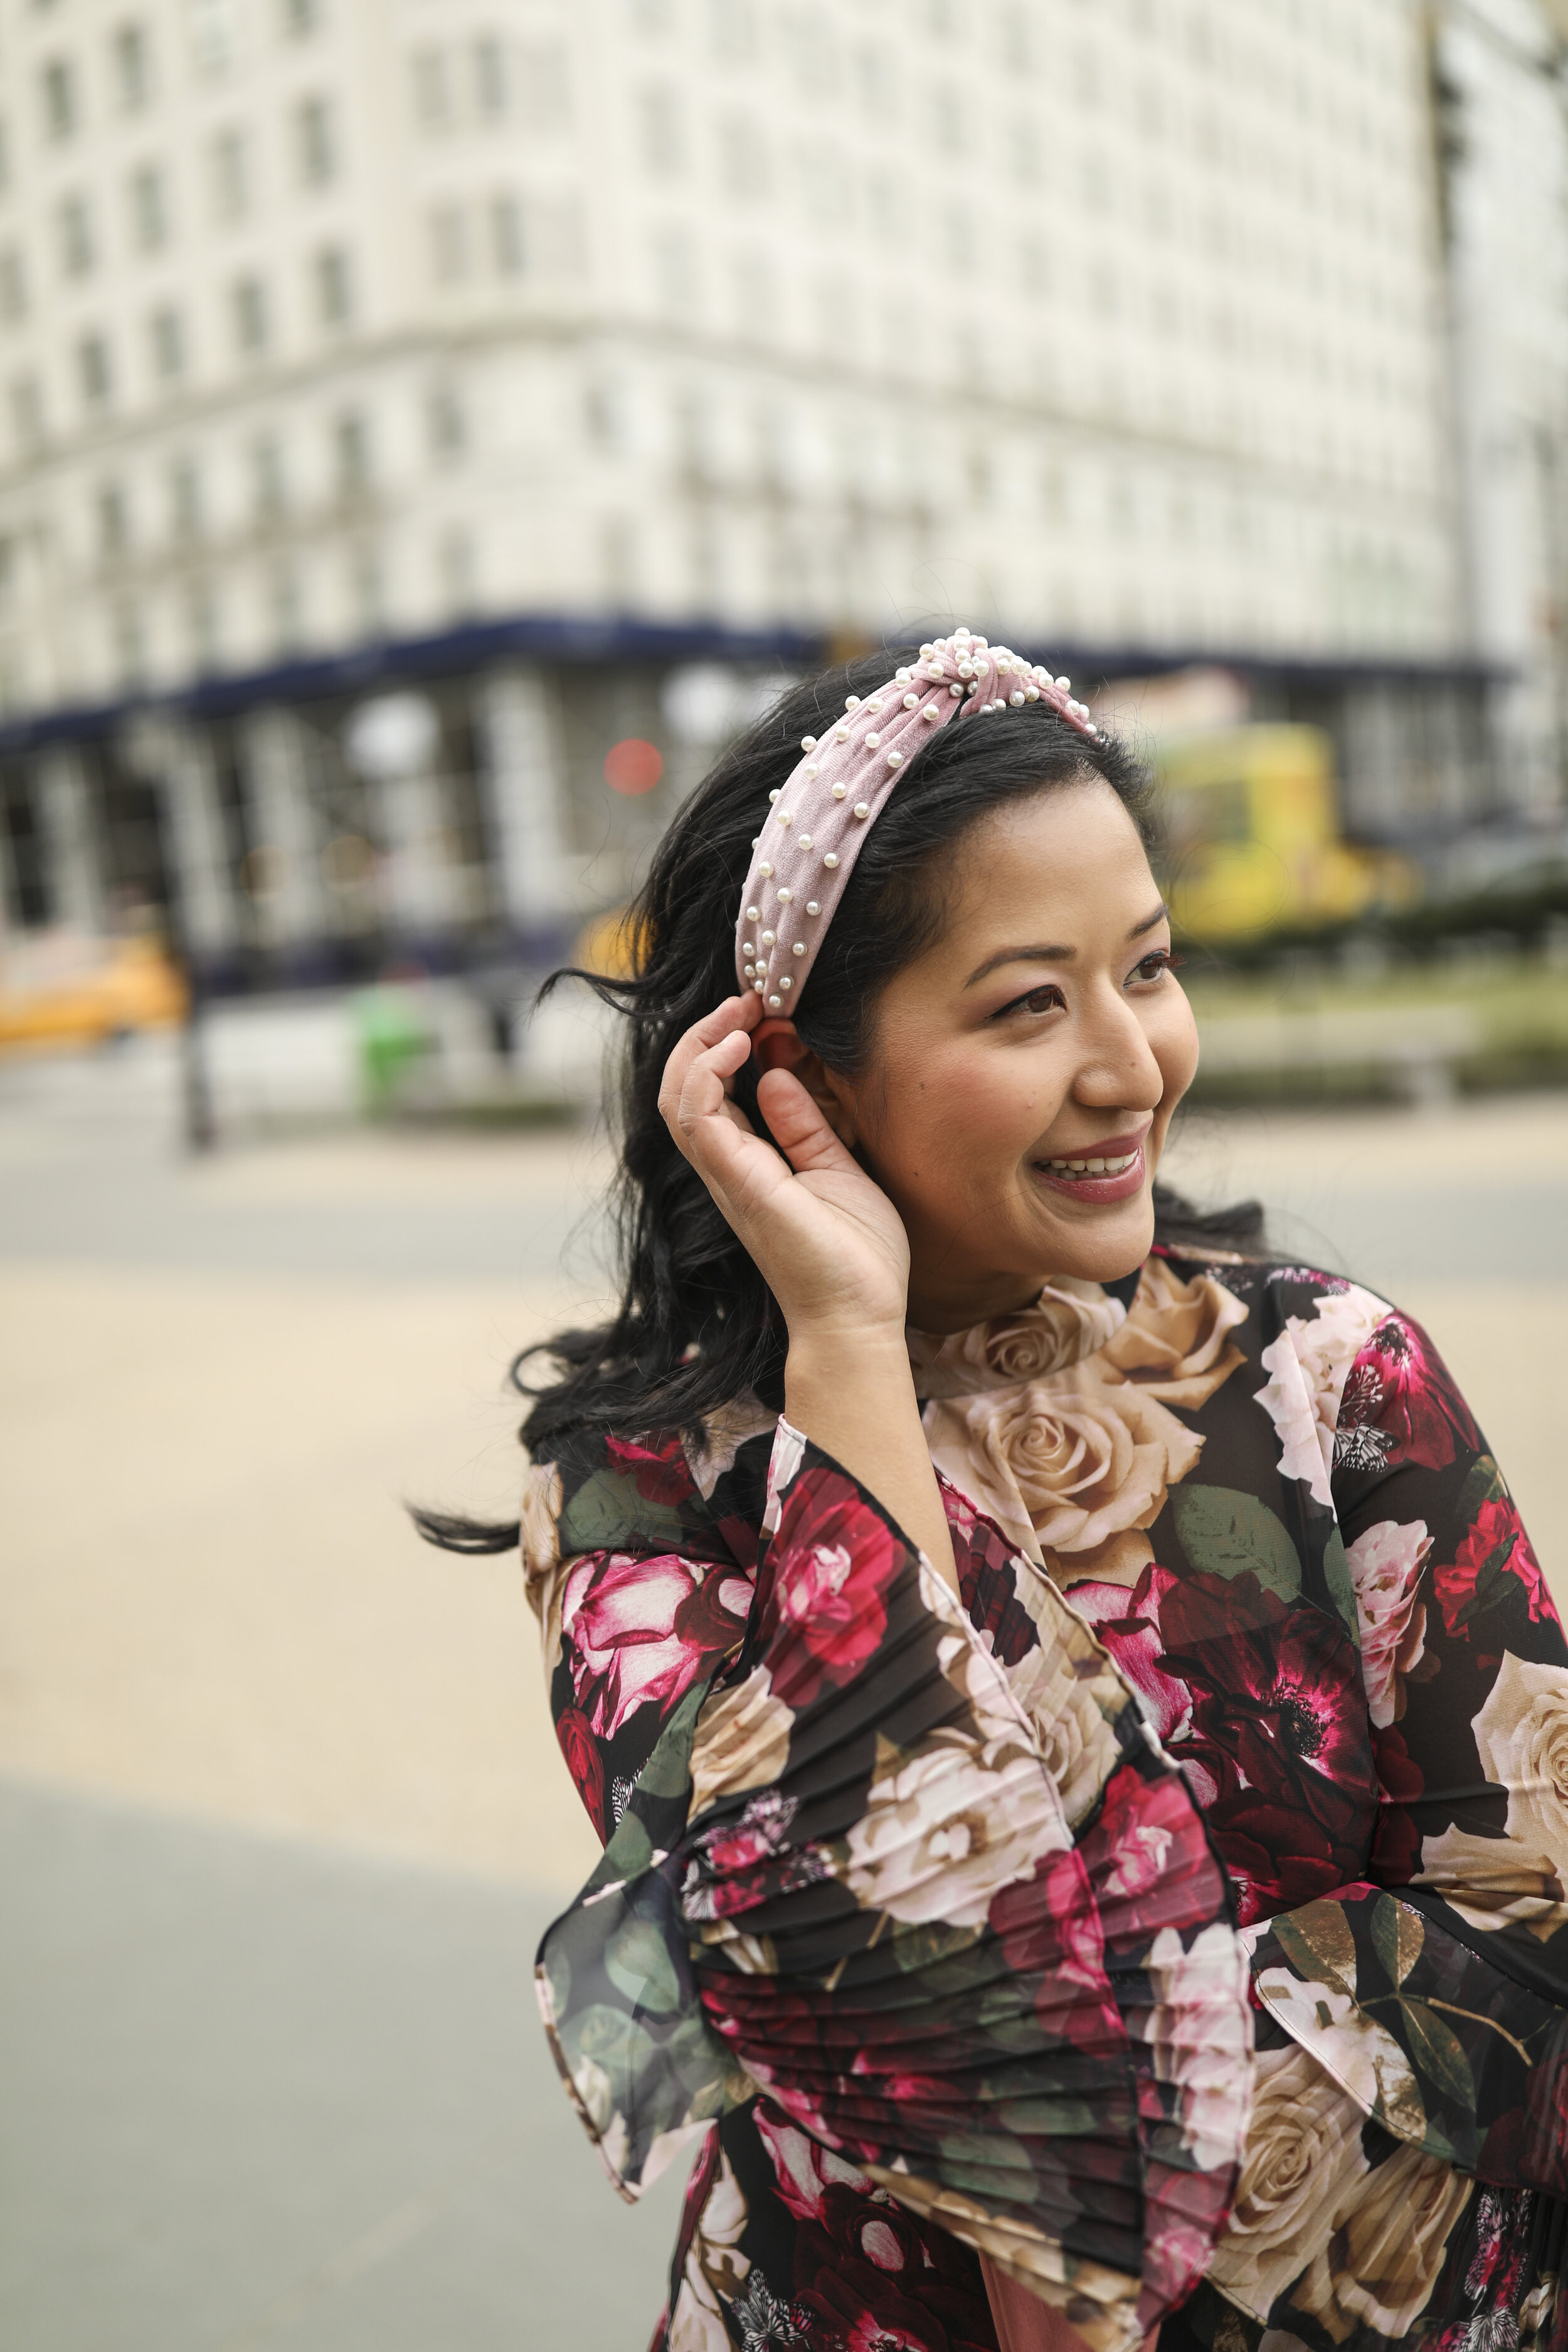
pixel 1075 1720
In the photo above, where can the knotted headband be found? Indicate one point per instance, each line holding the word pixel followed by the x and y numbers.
pixel 806 851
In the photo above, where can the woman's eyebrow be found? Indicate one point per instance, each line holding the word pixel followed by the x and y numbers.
pixel 1049 954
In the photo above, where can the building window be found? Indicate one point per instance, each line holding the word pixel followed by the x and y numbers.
pixel 130 64
pixel 315 142
pixel 334 287
pixel 448 244
pixel 184 499
pixel 215 34
pixel 352 447
pixel 202 629
pixel 148 209
pixel 456 570
pixel 27 402
pixel 57 88
pixel 506 235
pixel 129 649
pixel 249 302
pixel 113 521
pixel 230 165
pixel 432 104
pixel 93 369
pixel 445 423
pixel 489 77
pixel 266 478
pixel 366 589
pixel 166 334
pixel 13 286
pixel 287 615
pixel 663 147
pixel 73 228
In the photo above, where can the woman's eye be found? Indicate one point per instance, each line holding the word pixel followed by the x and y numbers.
pixel 1164 960
pixel 1039 1000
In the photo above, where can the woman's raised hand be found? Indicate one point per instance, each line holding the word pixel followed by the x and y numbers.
pixel 830 1244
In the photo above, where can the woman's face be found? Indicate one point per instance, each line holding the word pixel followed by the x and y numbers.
pixel 1045 1028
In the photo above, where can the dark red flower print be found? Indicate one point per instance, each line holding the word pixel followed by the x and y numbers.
pixel 988 1578
pixel 859 2307
pixel 1399 1404
pixel 715 1613
pixel 1279 1706
pixel 1396 1845
pixel 833 1560
pixel 584 1763
pixel 659 1469
pixel 1494 1562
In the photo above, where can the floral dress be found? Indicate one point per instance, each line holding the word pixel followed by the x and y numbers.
pixel 1171 1928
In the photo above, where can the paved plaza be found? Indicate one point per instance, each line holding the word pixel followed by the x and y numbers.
pixel 281 1815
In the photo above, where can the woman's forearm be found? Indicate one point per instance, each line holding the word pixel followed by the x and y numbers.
pixel 854 1398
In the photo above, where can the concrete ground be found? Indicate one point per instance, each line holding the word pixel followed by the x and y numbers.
pixel 280 1815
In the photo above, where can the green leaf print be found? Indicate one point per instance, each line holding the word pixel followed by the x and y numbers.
pixel 607 1512
pixel 1485 1484
pixel 1318 1943
pixel 1232 1534
pixel 1397 1935
pixel 1342 1584
pixel 1438 2053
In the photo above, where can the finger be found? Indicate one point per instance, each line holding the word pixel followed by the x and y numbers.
pixel 736 1017
pixel 797 1124
pixel 704 1097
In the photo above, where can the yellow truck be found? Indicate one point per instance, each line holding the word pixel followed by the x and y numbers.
pixel 62 991
pixel 1252 824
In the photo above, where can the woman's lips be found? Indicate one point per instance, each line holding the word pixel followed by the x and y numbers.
pixel 1120 1175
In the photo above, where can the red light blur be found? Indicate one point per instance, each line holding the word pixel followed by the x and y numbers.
pixel 633 766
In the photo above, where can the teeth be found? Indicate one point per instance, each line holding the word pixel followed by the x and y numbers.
pixel 1091 1166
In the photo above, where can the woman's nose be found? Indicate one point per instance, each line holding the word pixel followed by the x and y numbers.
pixel 1118 1068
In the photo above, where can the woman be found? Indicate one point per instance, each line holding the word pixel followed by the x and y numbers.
pixel 1079 1731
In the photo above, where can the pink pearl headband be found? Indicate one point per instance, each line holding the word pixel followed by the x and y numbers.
pixel 806 852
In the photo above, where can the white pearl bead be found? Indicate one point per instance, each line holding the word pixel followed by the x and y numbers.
pixel 784 817
pixel 753 915
pixel 911 702
pixel 895 759
pixel 751 971
pixel 841 792
pixel 862 808
pixel 1016 699
pixel 851 702
pixel 831 860
pixel 1064 684
pixel 772 1003
pixel 770 938
pixel 786 982
pixel 799 948
pixel 786 898
pixel 979 644
pixel 926 652
pixel 765 870
pixel 956 692
pixel 808 742
pixel 929 711
pixel 1031 694
pixel 810 767
pixel 756 841
pixel 759 985
pixel 841 734
pixel 804 839
pixel 748 947
pixel 773 795
pixel 901 675
pixel 873 742
pixel 812 908
pixel 966 670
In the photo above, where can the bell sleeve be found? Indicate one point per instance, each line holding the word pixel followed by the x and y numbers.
pixel 1435 1991
pixel 961 1923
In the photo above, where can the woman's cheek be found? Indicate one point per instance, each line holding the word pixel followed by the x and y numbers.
pixel 1173 1042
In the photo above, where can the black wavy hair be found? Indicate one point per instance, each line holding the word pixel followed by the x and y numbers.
pixel 697 1327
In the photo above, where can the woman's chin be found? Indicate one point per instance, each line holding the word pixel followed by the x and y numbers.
pixel 1103 1244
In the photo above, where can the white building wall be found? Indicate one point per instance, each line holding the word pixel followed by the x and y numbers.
pixel 1116 324
pixel 1505 113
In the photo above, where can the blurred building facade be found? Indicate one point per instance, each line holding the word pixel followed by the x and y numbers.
pixel 521 370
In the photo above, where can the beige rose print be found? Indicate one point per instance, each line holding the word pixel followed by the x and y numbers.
pixel 1388 2248
pixel 542 1573
pixel 1522 1738
pixel 715 2267
pixel 741 1742
pixel 1303 2157
pixel 1175 1343
pixel 944 1830
pixel 1069 1319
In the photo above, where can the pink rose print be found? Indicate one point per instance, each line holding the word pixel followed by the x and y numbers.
pixel 585 1765
pixel 836 1558
pixel 641 1630
pixel 1129 1625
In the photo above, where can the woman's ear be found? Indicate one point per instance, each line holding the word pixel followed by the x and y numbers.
pixel 778 1044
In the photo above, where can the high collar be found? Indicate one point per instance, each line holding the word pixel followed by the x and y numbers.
pixel 1070 1320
